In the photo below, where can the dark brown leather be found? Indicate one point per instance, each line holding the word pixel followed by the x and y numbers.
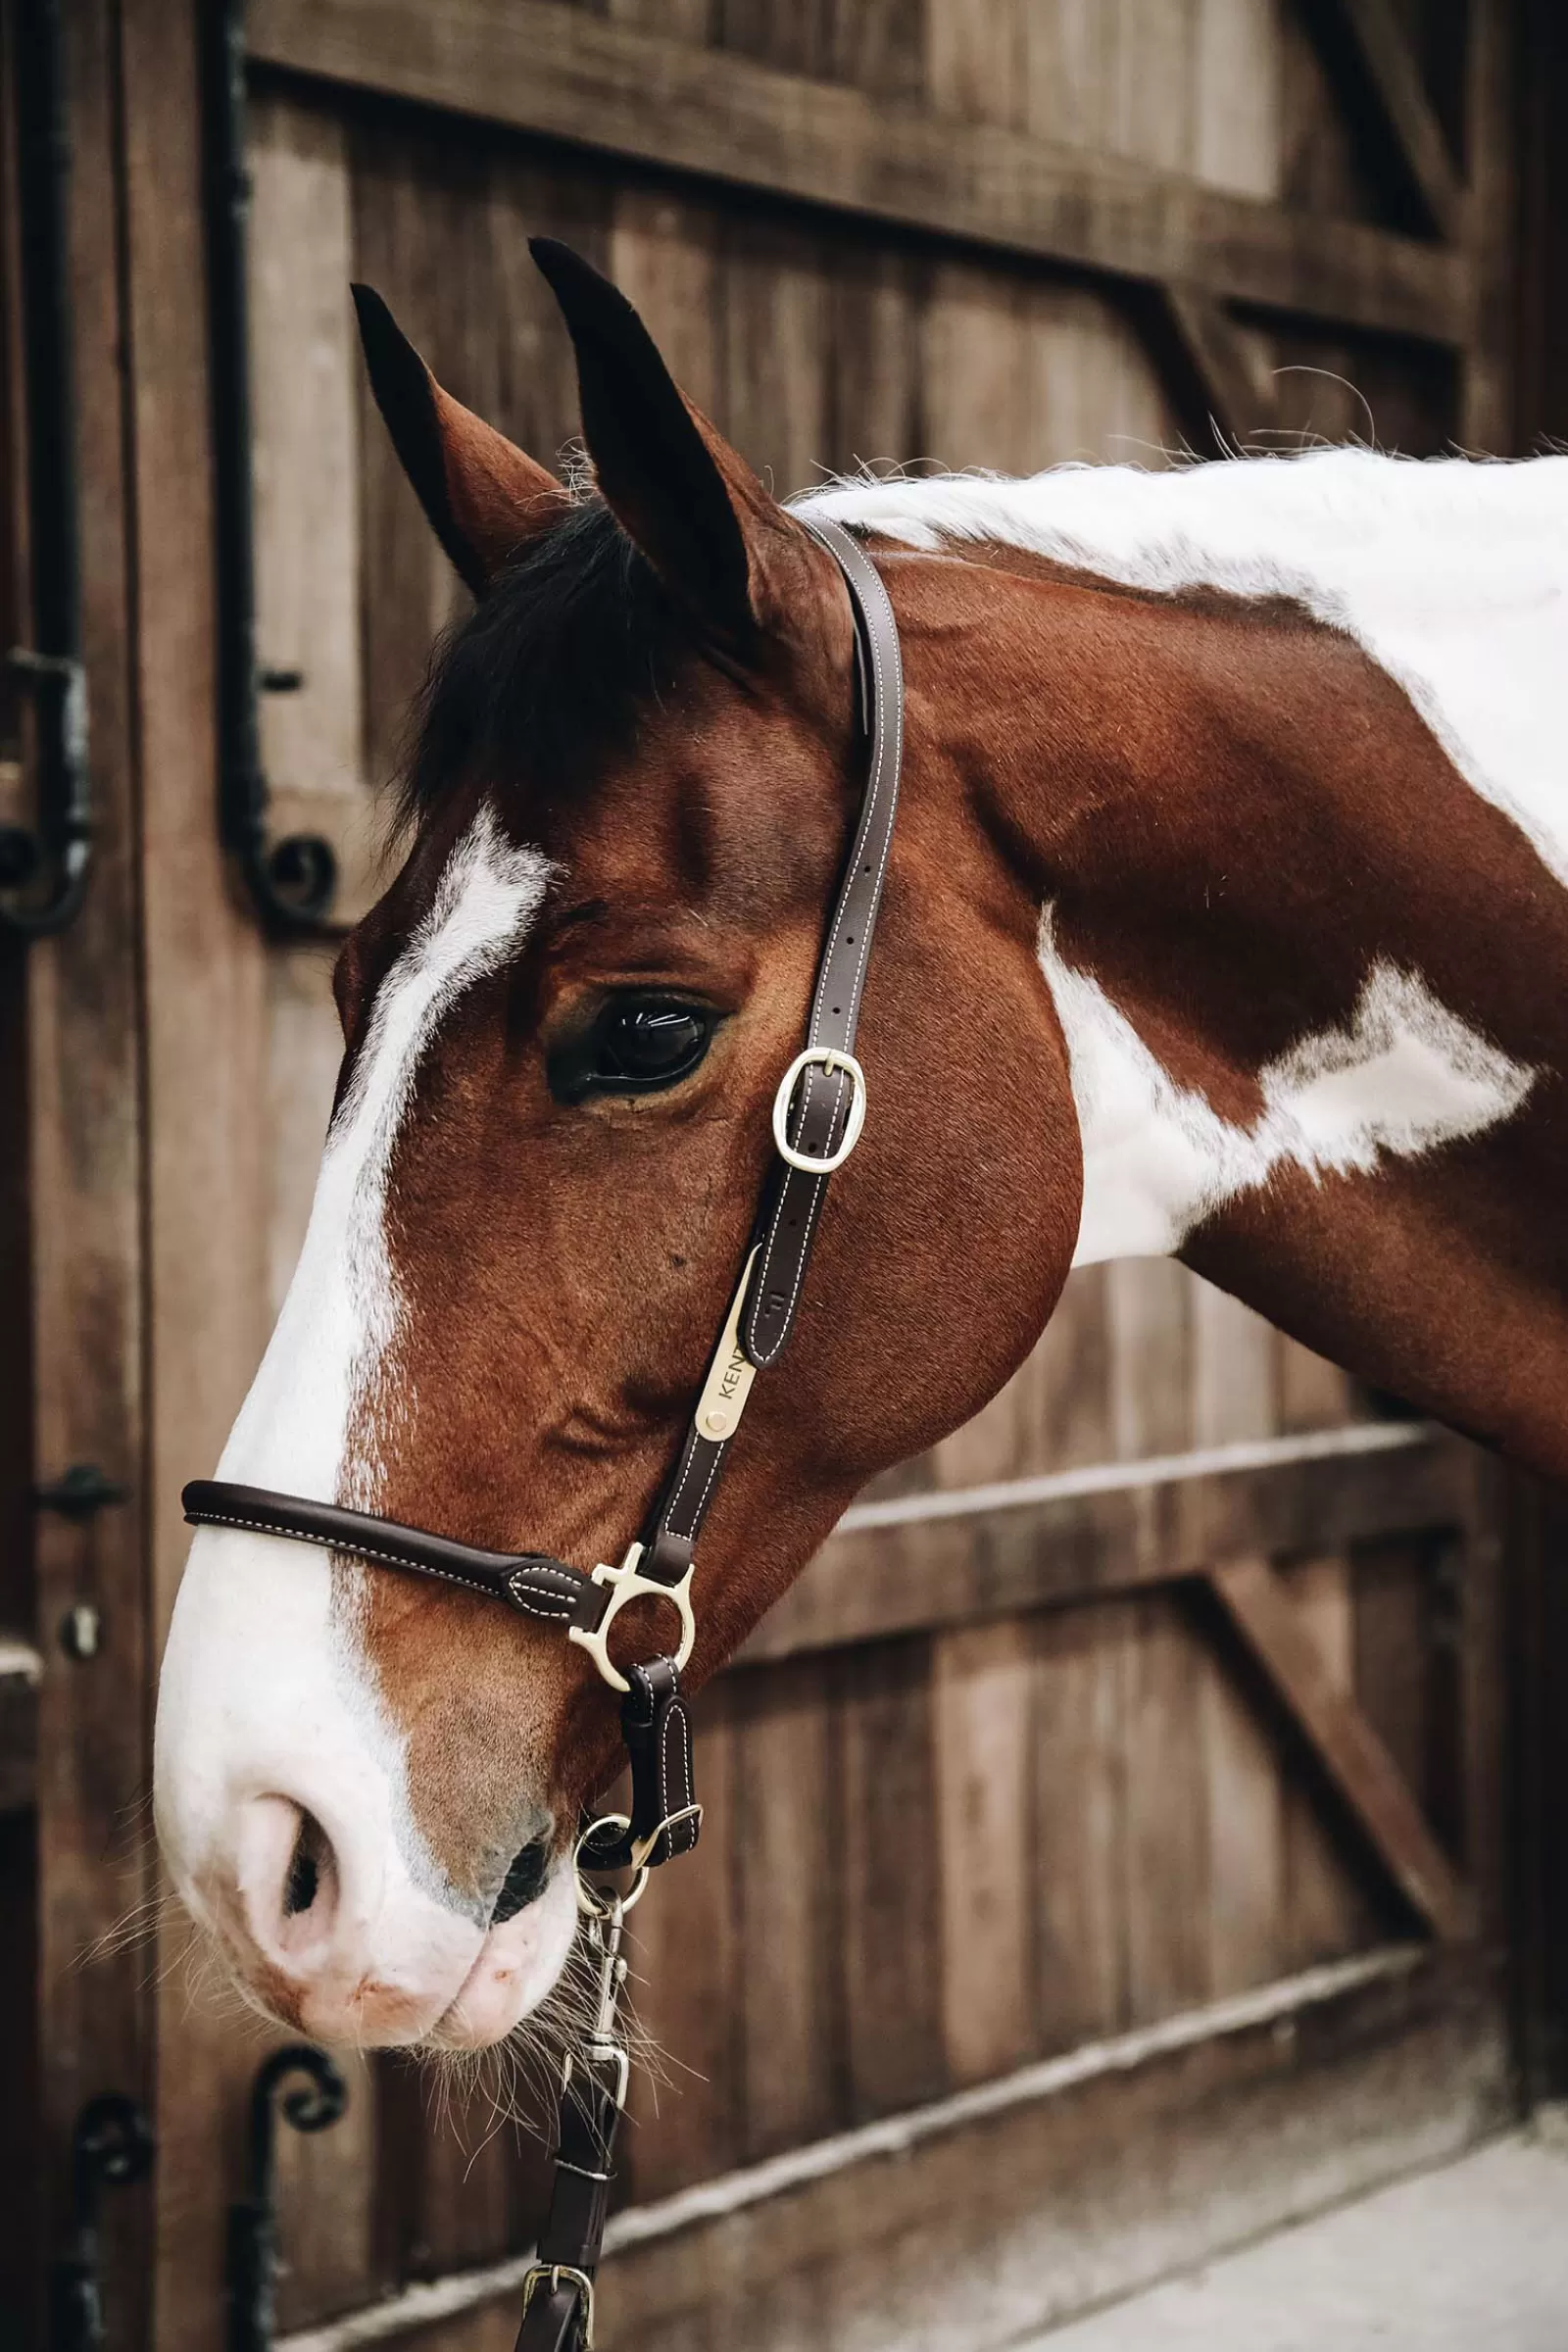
pixel 530 1582
pixel 822 1098
pixel 655 1726
pixel 787 1225
pixel 587 2115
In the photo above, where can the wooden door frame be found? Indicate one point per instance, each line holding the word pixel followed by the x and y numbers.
pixel 146 1026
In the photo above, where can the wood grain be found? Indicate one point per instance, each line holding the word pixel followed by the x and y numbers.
pixel 957 1559
pixel 1327 1908
pixel 889 1992
pixel 1078 1863
pixel 74 1297
pixel 786 1829
pixel 982 1733
pixel 560 72
pixel 1361 1768
pixel 304 391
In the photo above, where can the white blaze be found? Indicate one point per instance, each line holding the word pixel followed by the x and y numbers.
pixel 341 1312
pixel 263 1690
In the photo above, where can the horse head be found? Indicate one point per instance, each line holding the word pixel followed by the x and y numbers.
pixel 636 770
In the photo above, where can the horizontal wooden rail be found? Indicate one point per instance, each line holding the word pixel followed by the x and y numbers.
pixel 1007 2207
pixel 915 1562
pixel 565 74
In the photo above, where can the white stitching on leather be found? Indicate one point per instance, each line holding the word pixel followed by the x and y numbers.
pixel 852 557
pixel 687 1533
pixel 383 1555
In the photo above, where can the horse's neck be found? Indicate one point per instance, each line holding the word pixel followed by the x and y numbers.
pixel 1305 924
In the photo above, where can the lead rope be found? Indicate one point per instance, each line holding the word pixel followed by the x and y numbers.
pixel 558 2290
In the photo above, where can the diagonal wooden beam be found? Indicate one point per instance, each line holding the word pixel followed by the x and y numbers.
pixel 1368 53
pixel 1221 392
pixel 1344 1742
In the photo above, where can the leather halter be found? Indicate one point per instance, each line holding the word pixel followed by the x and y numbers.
pixel 818 1114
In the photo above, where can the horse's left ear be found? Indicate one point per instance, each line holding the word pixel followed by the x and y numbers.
pixel 731 553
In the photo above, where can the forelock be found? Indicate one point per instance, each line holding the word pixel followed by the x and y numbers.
pixel 551 670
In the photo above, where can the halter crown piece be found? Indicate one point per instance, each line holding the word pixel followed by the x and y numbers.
pixel 818 1113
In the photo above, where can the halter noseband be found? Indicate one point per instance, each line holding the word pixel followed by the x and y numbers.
pixel 819 1111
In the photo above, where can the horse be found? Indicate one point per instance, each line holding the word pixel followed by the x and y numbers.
pixel 1224 918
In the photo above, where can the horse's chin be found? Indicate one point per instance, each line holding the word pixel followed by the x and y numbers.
pixel 517 1966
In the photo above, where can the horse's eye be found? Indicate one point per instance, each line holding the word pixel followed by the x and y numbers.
pixel 637 1044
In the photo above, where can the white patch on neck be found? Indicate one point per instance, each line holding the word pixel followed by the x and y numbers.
pixel 1451 575
pixel 341 1313
pixel 1402 1077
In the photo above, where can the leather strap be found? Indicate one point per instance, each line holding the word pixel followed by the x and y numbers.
pixel 655 1726
pixel 587 2114
pixel 530 1581
pixel 822 1098
pixel 787 1225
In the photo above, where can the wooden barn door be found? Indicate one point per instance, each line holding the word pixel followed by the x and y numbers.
pixel 1105 1850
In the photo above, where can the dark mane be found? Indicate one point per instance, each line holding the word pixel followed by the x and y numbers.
pixel 551 669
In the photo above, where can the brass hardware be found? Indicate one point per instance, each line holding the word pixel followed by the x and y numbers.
pixel 819 1058
pixel 627 1582
pixel 730 1374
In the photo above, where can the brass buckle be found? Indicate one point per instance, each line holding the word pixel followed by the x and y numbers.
pixel 627 1582
pixel 829 1058
pixel 554 2272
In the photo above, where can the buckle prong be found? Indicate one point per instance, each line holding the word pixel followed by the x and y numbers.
pixel 554 2272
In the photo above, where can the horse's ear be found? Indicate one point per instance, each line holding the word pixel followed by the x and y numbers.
pixel 731 553
pixel 485 500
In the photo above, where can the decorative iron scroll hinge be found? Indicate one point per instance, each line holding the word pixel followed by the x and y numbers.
pixel 252 2264
pixel 110 2148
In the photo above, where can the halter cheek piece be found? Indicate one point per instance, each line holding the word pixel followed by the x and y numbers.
pixel 819 1111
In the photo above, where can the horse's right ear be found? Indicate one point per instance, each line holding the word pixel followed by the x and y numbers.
pixel 486 501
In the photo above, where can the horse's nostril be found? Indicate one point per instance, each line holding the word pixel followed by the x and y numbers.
pixel 523 1883
pixel 304 1868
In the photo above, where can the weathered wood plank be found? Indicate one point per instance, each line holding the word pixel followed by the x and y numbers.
pixel 1349 1750
pixel 1326 1911
pixel 569 75
pixel 1077 1863
pixel 1245 1834
pixel 889 1991
pixel 1011 2206
pixel 305 390
pixel 1216 385
pixel 983 1726
pixel 1235 1393
pixel 1166 1857
pixel 76 1270
pixel 785 1869
pixel 1366 49
pixel 927 1560
pixel 205 983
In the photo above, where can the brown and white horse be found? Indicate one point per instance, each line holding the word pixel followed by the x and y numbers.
pixel 1226 918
